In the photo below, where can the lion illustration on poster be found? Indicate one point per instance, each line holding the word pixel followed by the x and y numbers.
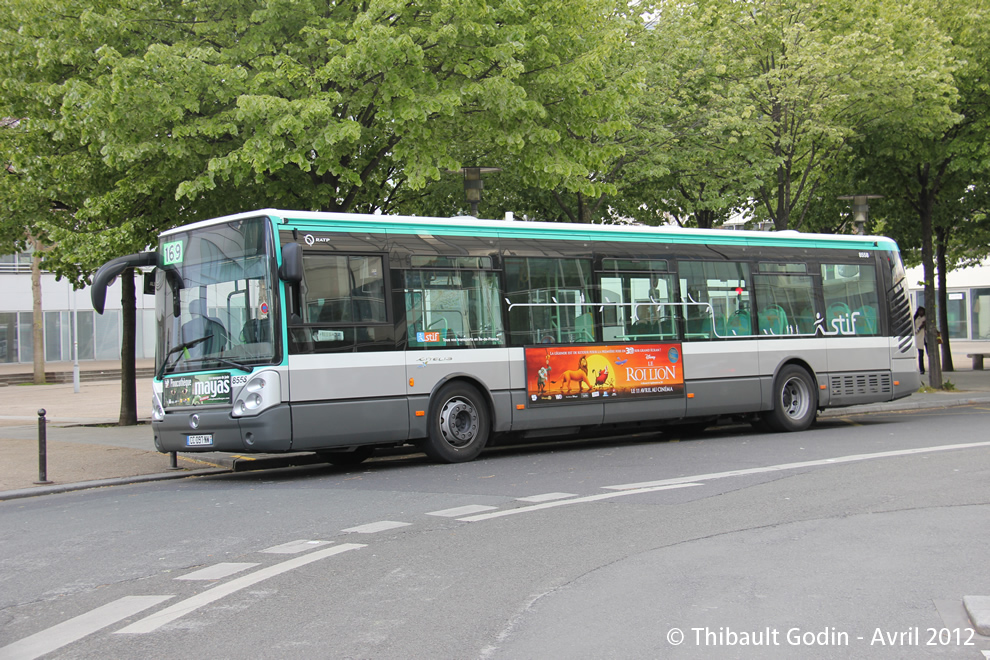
pixel 579 376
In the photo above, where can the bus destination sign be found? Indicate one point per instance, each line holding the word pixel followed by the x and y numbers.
pixel 558 374
pixel 197 390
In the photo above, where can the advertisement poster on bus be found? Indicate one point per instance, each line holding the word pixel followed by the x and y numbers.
pixel 559 374
pixel 197 390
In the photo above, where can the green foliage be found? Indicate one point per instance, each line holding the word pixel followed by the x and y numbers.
pixel 144 114
pixel 771 95
pixel 137 115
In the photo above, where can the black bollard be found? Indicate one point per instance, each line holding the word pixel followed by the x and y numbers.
pixel 42 450
pixel 173 460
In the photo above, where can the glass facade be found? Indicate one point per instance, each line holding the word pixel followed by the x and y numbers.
pixel 99 336
pixel 980 308
pixel 968 311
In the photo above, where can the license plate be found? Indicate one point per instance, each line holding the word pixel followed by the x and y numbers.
pixel 199 440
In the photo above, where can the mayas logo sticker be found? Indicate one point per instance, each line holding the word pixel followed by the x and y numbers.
pixel 199 390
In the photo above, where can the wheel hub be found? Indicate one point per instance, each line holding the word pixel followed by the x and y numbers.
pixel 458 423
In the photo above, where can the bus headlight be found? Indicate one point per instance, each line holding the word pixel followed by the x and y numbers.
pixel 262 391
pixel 157 409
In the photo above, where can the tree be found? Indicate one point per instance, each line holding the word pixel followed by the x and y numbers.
pixel 929 160
pixel 783 88
pixel 144 114
pixel 314 109
pixel 21 227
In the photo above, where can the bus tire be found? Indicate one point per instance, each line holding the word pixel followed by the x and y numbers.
pixel 459 424
pixel 795 400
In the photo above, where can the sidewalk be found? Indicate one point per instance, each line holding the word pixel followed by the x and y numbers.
pixel 84 443
pixel 86 448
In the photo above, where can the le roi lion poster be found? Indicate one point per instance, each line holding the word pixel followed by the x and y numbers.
pixel 558 374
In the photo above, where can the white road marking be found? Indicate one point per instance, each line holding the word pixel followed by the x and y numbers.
pixel 380 526
pixel 76 628
pixel 546 497
pixel 461 511
pixel 217 571
pixel 796 466
pixel 292 547
pixel 576 500
pixel 169 614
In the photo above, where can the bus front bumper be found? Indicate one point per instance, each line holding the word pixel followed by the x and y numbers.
pixel 216 430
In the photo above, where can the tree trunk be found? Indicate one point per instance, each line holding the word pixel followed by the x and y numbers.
pixel 37 316
pixel 705 218
pixel 943 299
pixel 926 203
pixel 128 382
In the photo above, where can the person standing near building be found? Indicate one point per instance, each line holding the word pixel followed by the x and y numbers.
pixel 919 337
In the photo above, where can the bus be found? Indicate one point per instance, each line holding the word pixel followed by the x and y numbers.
pixel 333 333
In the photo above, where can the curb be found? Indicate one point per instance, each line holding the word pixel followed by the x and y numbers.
pixel 906 404
pixel 101 483
pixel 223 465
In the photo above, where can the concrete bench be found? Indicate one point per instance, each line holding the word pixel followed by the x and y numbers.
pixel 978 360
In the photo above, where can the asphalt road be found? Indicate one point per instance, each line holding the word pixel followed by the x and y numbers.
pixel 856 539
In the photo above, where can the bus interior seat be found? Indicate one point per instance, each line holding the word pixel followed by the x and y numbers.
pixel 773 320
pixel 739 323
pixel 256 331
pixel 334 311
pixel 202 325
pixel 866 323
pixel 837 310
pixel 584 327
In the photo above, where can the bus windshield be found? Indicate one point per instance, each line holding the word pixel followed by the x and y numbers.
pixel 214 298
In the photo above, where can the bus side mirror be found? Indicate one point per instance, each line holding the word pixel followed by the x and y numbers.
pixel 291 270
pixel 113 268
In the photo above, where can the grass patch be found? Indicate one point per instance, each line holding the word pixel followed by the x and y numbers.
pixel 947 386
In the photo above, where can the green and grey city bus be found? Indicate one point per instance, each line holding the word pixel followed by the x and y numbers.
pixel 284 331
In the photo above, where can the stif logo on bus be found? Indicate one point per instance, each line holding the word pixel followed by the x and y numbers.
pixel 427 337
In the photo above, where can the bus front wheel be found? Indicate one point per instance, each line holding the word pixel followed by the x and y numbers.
pixel 459 424
pixel 795 400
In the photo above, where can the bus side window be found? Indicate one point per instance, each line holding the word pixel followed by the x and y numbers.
pixel 452 308
pixel 637 300
pixel 716 298
pixel 851 299
pixel 343 304
pixel 549 301
pixel 785 303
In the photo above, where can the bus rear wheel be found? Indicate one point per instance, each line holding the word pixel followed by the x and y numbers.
pixel 459 424
pixel 795 400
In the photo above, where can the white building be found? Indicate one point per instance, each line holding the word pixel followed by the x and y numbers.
pixel 968 304
pixel 99 336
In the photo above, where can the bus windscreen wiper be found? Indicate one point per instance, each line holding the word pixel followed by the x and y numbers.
pixel 178 349
pixel 231 363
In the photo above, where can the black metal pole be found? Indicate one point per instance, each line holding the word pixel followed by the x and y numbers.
pixel 42 450
pixel 173 460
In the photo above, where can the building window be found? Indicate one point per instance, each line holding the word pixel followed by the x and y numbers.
pixel 980 305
